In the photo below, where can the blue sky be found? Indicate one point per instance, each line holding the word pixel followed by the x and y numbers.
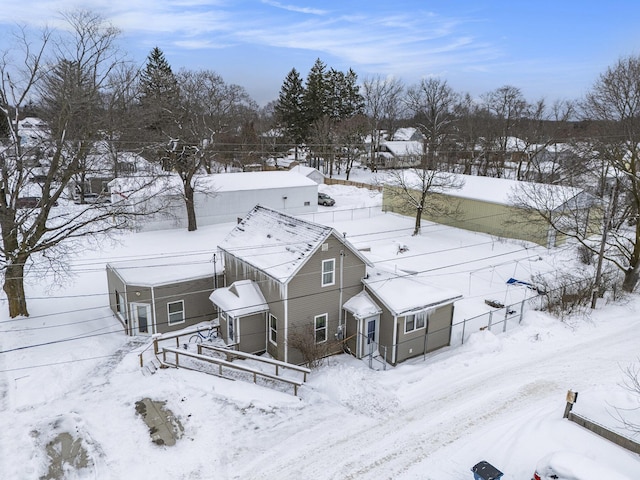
pixel 552 49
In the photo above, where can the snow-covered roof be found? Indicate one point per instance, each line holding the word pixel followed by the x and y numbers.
pixel 306 171
pixel 500 191
pixel 403 293
pixel 216 183
pixel 362 305
pixel 405 148
pixel 273 242
pixel 161 271
pixel 240 299
pixel 405 134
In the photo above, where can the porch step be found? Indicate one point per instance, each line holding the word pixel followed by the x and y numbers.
pixel 151 367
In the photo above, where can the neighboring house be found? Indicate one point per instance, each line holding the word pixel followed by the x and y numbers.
pixel 489 205
pixel 163 295
pixel 398 154
pixel 101 168
pixel 218 198
pixel 290 278
pixel 309 172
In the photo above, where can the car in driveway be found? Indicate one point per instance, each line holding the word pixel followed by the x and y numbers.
pixel 326 200
pixel 564 465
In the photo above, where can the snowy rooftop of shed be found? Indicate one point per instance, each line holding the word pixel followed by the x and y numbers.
pixel 403 293
pixel 161 271
pixel 274 242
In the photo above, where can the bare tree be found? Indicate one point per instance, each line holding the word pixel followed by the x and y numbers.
pixel 417 189
pixel 432 102
pixel 382 100
pixel 614 101
pixel 507 108
pixel 68 93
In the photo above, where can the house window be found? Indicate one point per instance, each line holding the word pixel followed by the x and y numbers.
pixel 273 329
pixel 320 328
pixel 175 312
pixel 328 272
pixel 415 322
pixel 306 204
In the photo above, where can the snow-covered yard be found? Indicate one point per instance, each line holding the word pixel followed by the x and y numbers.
pixel 499 397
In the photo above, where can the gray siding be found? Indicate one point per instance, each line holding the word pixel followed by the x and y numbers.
pixel 197 306
pixel 308 298
pixel 195 294
pixel 439 328
pixel 115 286
pixel 252 332
pixel 273 292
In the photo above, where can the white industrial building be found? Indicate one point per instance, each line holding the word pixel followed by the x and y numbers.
pixel 218 198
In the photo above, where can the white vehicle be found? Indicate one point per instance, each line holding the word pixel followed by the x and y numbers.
pixel 573 466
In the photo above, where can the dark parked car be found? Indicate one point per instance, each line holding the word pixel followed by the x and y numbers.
pixel 92 198
pixel 326 200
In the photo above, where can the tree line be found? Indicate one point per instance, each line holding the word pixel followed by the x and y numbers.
pixel 97 103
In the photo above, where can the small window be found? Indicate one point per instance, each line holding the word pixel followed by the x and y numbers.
pixel 320 328
pixel 328 272
pixel 175 312
pixel 306 204
pixel 273 329
pixel 415 322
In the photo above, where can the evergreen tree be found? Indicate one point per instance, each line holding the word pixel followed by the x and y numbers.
pixel 290 110
pixel 159 92
pixel 317 93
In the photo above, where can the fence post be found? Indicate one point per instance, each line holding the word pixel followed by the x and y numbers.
pixel 464 324
pixel 506 316
pixel 490 320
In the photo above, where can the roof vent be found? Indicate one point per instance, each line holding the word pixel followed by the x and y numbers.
pixel 325 247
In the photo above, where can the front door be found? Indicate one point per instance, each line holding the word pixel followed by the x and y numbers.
pixel 141 316
pixel 368 336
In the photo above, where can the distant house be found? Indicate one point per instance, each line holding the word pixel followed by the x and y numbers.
pixel 163 295
pixel 219 198
pixel 288 277
pixel 398 154
pixel 489 205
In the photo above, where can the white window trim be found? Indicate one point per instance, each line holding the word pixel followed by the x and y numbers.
pixel 184 317
pixel 415 321
pixel 333 272
pixel 274 330
pixel 325 328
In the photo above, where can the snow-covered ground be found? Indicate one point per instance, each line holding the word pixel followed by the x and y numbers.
pixel 499 397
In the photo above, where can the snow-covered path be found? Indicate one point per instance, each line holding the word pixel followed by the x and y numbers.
pixel 400 422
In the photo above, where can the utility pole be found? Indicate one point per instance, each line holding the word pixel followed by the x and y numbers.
pixel 605 229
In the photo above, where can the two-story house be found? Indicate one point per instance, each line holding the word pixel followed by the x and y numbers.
pixel 288 277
